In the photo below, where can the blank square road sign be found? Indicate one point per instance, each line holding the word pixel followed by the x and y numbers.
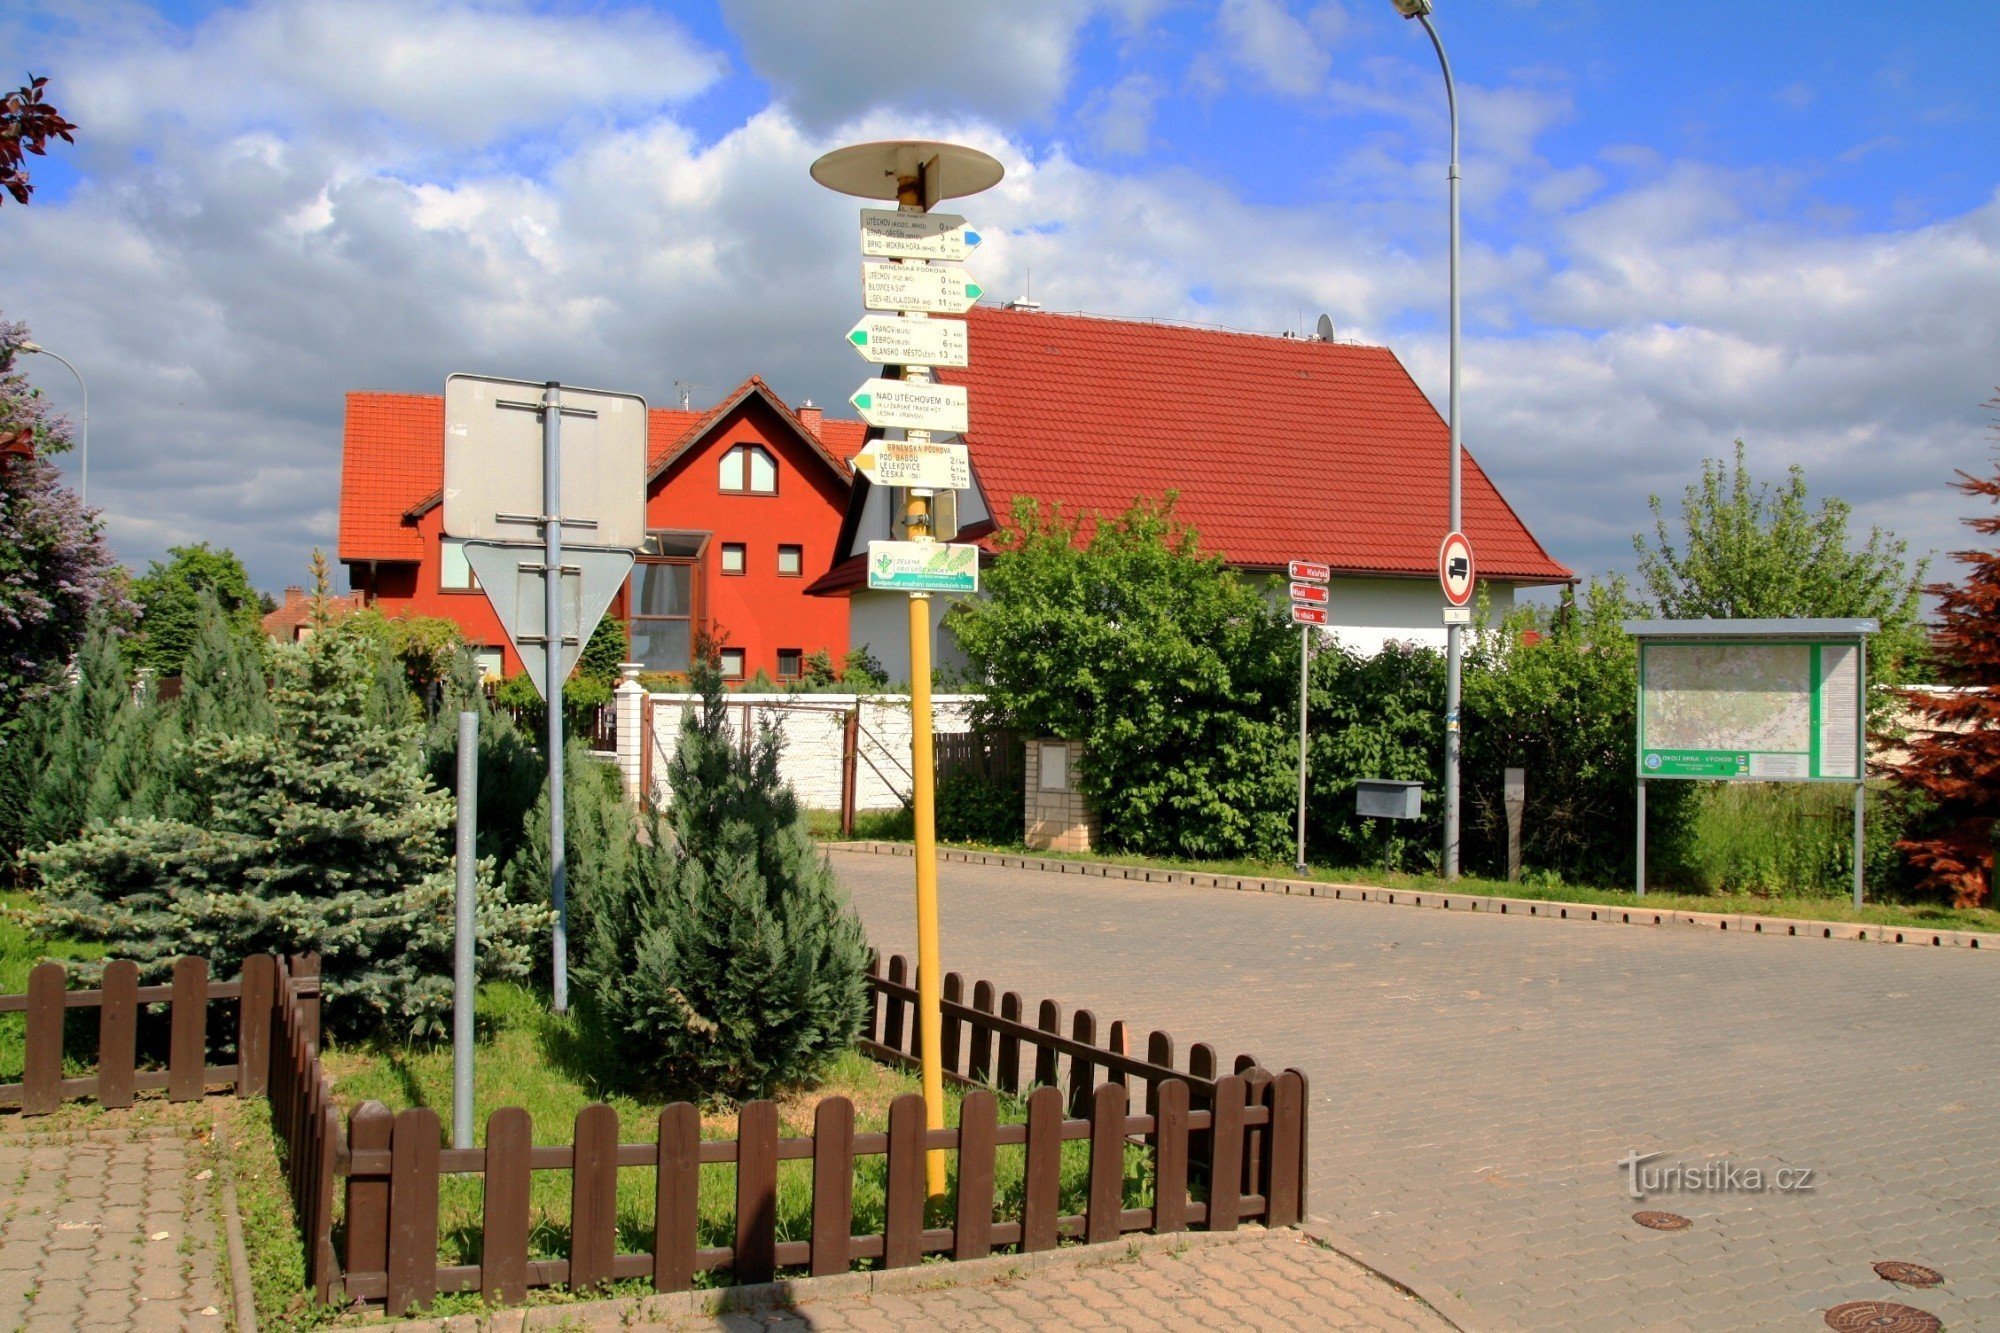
pixel 493 462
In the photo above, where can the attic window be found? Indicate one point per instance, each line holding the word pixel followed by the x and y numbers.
pixel 749 469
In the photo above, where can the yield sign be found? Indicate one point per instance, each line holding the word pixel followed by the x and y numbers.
pixel 511 576
pixel 1455 571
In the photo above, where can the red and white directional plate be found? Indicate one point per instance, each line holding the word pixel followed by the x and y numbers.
pixel 1455 572
pixel 1308 615
pixel 1309 592
pixel 1307 571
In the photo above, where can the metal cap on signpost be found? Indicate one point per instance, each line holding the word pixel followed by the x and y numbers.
pixel 917 174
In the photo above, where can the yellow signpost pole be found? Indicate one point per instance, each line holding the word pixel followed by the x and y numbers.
pixel 914 168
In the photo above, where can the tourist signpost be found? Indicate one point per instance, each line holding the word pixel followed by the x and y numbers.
pixel 1309 606
pixel 913 282
pixel 1753 701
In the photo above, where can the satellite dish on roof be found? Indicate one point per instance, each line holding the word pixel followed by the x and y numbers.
pixel 1326 328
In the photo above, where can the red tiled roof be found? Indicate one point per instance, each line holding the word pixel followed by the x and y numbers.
pixel 283 623
pixel 392 462
pixel 1281 448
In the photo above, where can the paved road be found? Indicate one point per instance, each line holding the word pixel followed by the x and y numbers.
pixel 1477 1080
pixel 105 1229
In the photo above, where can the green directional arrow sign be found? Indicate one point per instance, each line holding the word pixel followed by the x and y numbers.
pixel 889 341
pixel 918 288
pixel 912 405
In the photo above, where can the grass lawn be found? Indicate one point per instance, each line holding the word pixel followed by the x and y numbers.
pixel 1930 916
pixel 20 950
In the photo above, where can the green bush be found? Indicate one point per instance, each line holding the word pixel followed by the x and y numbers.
pixel 320 834
pixel 1174 671
pixel 728 963
pixel 1373 717
pixel 973 808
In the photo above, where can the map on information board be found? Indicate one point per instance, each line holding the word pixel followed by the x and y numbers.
pixel 1760 711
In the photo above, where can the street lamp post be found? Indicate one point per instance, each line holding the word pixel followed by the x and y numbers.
pixel 1420 10
pixel 83 471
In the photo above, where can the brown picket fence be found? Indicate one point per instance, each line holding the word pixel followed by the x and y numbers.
pixel 1225 1147
pixel 275 1008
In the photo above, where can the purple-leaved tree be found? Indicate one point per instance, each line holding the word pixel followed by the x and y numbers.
pixel 55 570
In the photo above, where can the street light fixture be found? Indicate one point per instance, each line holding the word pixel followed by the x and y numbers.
pixel 1420 10
pixel 83 471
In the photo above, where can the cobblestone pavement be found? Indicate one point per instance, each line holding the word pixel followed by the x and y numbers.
pixel 1255 1279
pixel 1477 1079
pixel 105 1229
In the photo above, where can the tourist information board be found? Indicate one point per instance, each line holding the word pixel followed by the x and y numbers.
pixel 923 567
pixel 1753 710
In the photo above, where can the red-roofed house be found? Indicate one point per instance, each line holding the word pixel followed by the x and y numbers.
pixel 1281 449
pixel 743 503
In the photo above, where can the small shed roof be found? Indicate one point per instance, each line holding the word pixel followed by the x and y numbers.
pixel 1802 628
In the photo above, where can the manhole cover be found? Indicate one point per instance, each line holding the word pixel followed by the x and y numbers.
pixel 1881 1317
pixel 1662 1221
pixel 1908 1275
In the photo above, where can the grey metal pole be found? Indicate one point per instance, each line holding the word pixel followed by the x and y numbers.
pixel 1860 762
pixel 462 978
pixel 1305 642
pixel 552 683
pixel 83 469
pixel 1454 634
pixel 1641 866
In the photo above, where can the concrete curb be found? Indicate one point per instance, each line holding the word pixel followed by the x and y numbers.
pixel 795 1292
pixel 1449 900
pixel 1448 1307
pixel 242 1292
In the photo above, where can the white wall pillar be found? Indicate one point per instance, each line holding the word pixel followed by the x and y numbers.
pixel 630 701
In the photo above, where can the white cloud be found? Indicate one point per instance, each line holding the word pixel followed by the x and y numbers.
pixel 831 60
pixel 1121 116
pixel 1264 37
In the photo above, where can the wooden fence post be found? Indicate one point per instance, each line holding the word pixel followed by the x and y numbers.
pixel 1049 1020
pixel 894 1005
pixel 980 1068
pixel 903 1204
pixel 1108 1105
pixel 949 1040
pixel 593 1208
pixel 414 1145
pixel 253 1025
pixel 42 1060
pixel 118 1034
pixel 1042 1180
pixel 187 1046
pixel 1010 1045
pixel 1225 1174
pixel 833 1186
pixel 1083 1030
pixel 1170 1157
pixel 320 1264
pixel 677 1195
pixel 756 1192
pixel 307 967
pixel 1281 1177
pixel 503 1250
pixel 372 1126
pixel 978 1120
pixel 872 1025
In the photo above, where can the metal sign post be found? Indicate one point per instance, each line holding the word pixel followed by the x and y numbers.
pixel 917 175
pixel 1309 594
pixel 491 491
pixel 462 971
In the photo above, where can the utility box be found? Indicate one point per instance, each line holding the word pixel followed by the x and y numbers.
pixel 1386 798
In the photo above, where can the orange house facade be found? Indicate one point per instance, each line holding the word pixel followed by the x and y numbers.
pixel 743 507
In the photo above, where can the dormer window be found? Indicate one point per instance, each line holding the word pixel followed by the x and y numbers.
pixel 749 469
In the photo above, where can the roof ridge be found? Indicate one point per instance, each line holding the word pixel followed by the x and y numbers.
pixel 1170 322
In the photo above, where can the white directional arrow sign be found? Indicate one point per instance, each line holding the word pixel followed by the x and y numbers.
pixel 916 287
pixel 927 467
pixel 911 406
pixel 889 341
pixel 889 234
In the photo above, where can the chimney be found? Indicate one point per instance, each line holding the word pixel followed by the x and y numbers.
pixel 810 417
pixel 294 595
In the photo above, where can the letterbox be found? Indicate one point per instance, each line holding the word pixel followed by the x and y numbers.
pixel 1386 798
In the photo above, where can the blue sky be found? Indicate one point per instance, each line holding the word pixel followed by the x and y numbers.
pixel 1684 222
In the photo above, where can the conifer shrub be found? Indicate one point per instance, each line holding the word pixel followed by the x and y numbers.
pixel 728 962
pixel 321 833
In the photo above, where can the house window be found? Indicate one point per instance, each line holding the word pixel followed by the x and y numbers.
pixel 732 664
pixel 490 661
pixel 454 570
pixel 791 561
pixel 734 559
pixel 789 662
pixel 662 600
pixel 749 469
